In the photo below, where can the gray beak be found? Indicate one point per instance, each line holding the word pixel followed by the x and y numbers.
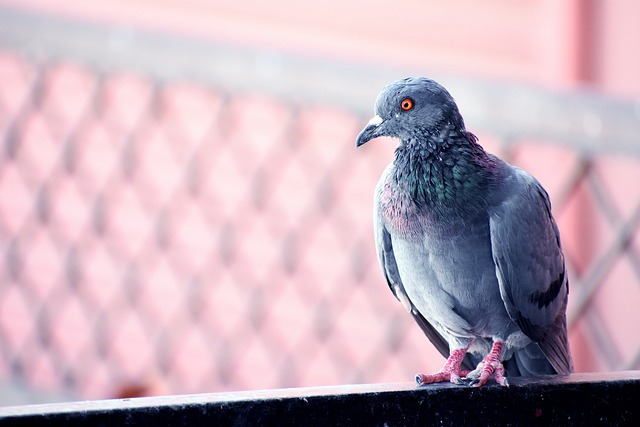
pixel 371 130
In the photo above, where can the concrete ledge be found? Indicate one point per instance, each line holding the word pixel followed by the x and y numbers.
pixel 580 399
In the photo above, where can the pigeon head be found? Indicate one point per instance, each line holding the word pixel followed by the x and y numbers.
pixel 412 108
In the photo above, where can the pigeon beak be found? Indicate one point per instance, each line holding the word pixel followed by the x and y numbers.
pixel 371 130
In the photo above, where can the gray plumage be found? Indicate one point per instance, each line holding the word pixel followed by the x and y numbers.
pixel 466 241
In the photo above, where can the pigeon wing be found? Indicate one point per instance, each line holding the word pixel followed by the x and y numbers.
pixel 530 265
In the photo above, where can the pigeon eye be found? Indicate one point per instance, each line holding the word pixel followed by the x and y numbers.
pixel 406 104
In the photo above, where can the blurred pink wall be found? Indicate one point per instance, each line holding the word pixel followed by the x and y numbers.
pixel 555 43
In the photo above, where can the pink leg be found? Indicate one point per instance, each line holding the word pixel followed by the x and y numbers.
pixel 490 365
pixel 451 371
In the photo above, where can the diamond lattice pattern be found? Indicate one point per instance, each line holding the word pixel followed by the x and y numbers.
pixel 168 237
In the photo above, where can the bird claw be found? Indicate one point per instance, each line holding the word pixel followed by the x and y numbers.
pixel 438 377
pixel 452 375
pixel 458 381
pixel 481 375
pixel 474 375
pixel 488 367
pixel 419 380
pixel 451 370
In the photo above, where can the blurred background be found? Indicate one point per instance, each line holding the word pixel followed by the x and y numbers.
pixel 182 208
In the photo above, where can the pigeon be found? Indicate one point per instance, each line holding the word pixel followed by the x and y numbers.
pixel 467 243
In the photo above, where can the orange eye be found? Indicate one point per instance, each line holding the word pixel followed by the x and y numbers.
pixel 406 104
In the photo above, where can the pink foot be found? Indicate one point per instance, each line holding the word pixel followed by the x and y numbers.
pixel 490 365
pixel 451 371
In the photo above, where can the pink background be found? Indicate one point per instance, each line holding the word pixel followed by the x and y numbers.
pixel 182 238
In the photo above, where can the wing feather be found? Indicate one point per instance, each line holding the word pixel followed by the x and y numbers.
pixel 530 266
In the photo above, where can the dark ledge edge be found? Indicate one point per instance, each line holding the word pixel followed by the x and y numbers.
pixel 578 399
